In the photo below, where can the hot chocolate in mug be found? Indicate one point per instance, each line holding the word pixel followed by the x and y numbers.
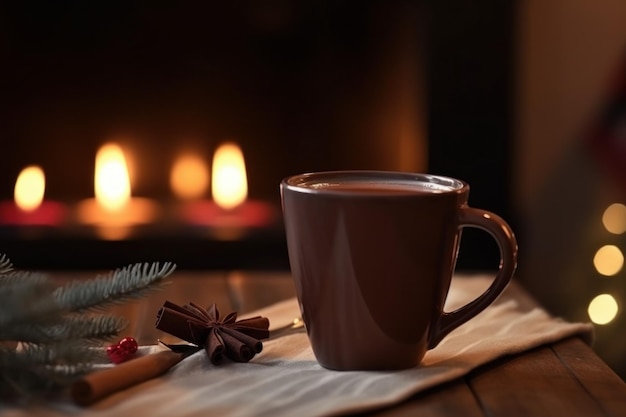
pixel 372 255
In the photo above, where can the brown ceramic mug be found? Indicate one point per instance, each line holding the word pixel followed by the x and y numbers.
pixel 372 254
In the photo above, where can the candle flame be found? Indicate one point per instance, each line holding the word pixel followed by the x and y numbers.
pixel 189 178
pixel 229 181
pixel 30 188
pixel 111 182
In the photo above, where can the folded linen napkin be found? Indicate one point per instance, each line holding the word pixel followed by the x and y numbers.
pixel 286 380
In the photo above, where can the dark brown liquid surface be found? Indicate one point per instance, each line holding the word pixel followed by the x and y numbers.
pixel 379 187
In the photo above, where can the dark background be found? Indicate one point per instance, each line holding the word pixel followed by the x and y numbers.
pixel 296 84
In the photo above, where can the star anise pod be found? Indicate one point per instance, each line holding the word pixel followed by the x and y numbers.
pixel 237 340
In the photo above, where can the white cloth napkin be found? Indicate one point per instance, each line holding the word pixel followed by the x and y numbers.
pixel 286 380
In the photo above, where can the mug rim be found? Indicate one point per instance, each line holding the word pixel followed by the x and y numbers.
pixel 298 182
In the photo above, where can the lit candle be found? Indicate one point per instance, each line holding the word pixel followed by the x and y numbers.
pixel 231 212
pixel 189 178
pixel 29 207
pixel 113 211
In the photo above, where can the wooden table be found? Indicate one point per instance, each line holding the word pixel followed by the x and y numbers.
pixel 563 379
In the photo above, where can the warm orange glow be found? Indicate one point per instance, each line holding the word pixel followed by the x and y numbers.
pixel 614 218
pixel 603 309
pixel 229 181
pixel 30 188
pixel 111 183
pixel 608 260
pixel 189 178
pixel 113 212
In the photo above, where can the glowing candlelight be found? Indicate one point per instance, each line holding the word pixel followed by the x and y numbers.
pixel 30 188
pixel 111 181
pixel 189 178
pixel 113 211
pixel 229 183
pixel 231 213
pixel 29 207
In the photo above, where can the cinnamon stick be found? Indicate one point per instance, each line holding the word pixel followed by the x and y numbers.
pixel 99 384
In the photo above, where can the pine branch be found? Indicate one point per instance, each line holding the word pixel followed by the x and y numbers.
pixel 131 282
pixel 55 340
pixel 87 328
pixel 62 353
pixel 19 277
pixel 36 368
pixel 5 264
pixel 26 297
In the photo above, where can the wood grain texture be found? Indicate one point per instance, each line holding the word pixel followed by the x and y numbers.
pixel 454 399
pixel 181 287
pixel 251 292
pixel 532 384
pixel 604 385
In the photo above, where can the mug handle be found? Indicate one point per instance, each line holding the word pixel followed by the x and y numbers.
pixel 507 243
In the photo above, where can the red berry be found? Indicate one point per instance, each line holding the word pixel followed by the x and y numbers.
pixel 122 351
